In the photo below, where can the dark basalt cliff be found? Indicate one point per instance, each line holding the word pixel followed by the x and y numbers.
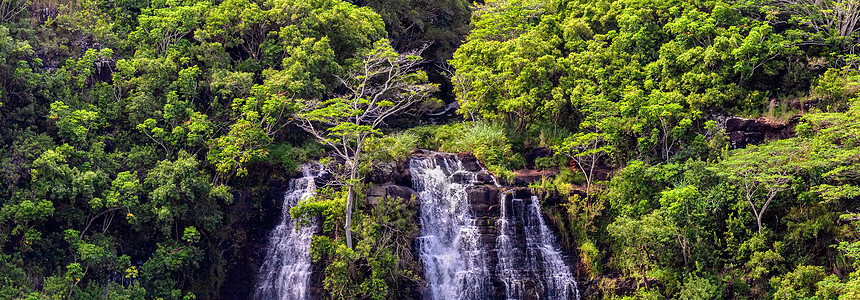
pixel 253 220
pixel 743 132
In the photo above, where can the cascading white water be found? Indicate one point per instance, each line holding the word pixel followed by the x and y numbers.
pixel 455 262
pixel 542 250
pixel 286 272
pixel 509 257
pixel 537 266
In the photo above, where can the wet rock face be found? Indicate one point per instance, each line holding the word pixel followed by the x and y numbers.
pixel 504 227
pixel 484 200
pixel 377 191
pixel 391 173
pixel 743 132
pixel 470 163
pixel 254 220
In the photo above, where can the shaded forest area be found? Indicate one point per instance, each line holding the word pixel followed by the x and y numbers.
pixel 690 149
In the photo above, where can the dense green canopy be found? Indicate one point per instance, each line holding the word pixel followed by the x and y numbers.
pixel 143 142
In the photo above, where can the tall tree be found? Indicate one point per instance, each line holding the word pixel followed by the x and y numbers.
pixel 641 243
pixel 762 172
pixel 384 84
pixel 591 144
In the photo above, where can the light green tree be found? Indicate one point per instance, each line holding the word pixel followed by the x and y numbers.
pixel 383 85
pixel 762 172
pixel 591 144
pixel 641 243
pixel 168 22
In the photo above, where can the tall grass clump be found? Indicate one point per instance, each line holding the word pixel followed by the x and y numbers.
pixel 487 141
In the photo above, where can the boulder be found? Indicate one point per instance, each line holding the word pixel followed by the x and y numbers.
pixel 462 178
pixel 403 177
pixel 484 179
pixel 378 191
pixel 396 172
pixel 383 172
pixel 522 193
pixel 736 124
pixel 483 196
pixel 400 192
pixel 470 163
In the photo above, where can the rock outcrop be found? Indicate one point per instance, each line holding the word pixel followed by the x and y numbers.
pixel 743 132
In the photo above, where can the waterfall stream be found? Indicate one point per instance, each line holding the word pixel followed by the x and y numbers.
pixel 528 262
pixel 455 262
pixel 286 271
pixel 535 267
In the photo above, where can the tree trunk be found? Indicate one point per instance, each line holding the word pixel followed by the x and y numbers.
pixel 757 213
pixel 758 220
pixel 348 228
pixel 348 224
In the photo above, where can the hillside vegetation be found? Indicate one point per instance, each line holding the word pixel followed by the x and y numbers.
pixel 696 149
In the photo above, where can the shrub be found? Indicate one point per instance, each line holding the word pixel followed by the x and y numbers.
pixel 834 88
pixel 545 163
pixel 393 147
pixel 291 157
pixel 698 288
pixel 799 284
pixel 590 256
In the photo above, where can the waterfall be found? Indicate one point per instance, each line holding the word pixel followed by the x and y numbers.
pixel 509 257
pixel 541 261
pixel 457 263
pixel 286 272
pixel 559 279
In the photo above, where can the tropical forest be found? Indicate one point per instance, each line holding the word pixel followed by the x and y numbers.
pixel 429 149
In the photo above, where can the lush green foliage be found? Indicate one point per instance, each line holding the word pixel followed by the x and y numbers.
pixel 636 89
pixel 130 128
pixel 642 74
pixel 139 138
pixel 384 229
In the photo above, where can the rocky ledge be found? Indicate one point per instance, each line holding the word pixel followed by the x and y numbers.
pixel 743 132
